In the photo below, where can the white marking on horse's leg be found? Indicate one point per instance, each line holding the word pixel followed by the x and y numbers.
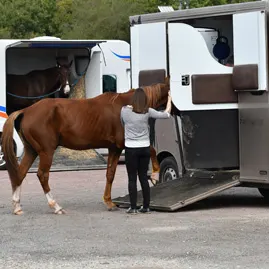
pixel 154 177
pixel 67 88
pixel 16 201
pixel 52 204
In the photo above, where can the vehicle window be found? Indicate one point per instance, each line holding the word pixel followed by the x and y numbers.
pixel 109 83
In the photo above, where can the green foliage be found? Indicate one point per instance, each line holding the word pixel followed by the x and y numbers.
pixel 21 18
pixel 81 19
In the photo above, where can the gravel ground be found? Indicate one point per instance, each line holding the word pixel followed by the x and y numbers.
pixel 228 230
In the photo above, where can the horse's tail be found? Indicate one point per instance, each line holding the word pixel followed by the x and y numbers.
pixel 8 149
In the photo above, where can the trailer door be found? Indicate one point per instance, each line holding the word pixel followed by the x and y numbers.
pixel 250 43
pixel 197 80
pixel 250 49
pixel 94 76
pixel 148 48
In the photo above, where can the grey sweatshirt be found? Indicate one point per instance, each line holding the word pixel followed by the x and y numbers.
pixel 136 126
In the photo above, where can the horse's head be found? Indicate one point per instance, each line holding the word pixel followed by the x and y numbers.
pixel 158 93
pixel 64 72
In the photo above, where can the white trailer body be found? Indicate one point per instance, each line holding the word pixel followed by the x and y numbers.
pixel 23 56
pixel 114 75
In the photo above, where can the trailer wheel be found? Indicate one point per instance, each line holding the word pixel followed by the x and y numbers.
pixel 264 193
pixel 2 160
pixel 168 170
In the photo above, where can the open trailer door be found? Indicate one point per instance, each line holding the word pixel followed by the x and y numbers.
pixel 250 32
pixel 198 81
pixel 94 75
pixel 148 51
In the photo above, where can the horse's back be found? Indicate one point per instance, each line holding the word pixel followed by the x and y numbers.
pixel 65 119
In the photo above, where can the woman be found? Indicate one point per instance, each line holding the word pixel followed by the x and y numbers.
pixel 137 145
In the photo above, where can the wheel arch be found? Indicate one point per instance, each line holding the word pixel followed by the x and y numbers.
pixel 164 154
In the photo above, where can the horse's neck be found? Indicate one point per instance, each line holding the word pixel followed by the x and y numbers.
pixel 125 98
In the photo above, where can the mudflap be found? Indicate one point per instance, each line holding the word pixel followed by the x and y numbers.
pixel 175 194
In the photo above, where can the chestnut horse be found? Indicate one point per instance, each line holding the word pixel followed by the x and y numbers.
pixel 25 90
pixel 77 124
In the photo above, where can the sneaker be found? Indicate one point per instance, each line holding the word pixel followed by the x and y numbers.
pixel 131 211
pixel 144 210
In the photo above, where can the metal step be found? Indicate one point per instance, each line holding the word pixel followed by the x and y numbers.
pixel 175 194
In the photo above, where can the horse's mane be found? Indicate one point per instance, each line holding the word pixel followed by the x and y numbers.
pixel 153 93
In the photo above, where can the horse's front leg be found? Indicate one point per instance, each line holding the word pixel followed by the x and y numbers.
pixel 155 166
pixel 113 158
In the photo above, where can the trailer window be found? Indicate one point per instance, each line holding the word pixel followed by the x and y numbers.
pixel 109 83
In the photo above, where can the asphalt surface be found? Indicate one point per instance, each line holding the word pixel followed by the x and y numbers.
pixel 228 230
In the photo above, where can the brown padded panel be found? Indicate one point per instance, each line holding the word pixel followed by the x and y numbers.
pixel 213 89
pixel 148 77
pixel 245 77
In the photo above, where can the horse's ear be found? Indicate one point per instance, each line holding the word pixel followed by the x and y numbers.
pixel 167 80
pixel 58 63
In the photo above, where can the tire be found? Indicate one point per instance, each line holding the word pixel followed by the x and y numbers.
pixel 2 160
pixel 264 193
pixel 168 170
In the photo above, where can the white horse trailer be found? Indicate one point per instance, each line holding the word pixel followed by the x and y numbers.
pixel 114 73
pixel 105 64
pixel 217 59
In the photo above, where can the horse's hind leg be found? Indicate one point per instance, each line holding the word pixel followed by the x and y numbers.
pixel 155 166
pixel 26 163
pixel 43 175
pixel 113 158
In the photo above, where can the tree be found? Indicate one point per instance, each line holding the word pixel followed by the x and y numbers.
pixel 101 19
pixel 81 19
pixel 25 19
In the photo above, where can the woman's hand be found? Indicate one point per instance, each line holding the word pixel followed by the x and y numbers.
pixel 169 101
pixel 169 97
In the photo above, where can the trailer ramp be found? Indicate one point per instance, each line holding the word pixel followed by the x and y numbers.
pixel 175 194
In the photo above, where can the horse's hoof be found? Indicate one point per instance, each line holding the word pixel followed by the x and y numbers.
pixel 154 181
pixel 114 208
pixel 18 213
pixel 111 207
pixel 60 212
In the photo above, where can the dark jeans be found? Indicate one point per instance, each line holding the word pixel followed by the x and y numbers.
pixel 137 161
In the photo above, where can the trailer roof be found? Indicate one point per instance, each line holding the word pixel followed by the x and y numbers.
pixel 54 43
pixel 199 12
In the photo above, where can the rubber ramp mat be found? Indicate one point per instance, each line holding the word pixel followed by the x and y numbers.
pixel 172 195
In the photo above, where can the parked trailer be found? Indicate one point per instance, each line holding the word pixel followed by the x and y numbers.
pixel 218 135
pixel 98 60
pixel 113 57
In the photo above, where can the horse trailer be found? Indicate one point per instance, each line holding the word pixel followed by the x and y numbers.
pixel 105 65
pixel 217 60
